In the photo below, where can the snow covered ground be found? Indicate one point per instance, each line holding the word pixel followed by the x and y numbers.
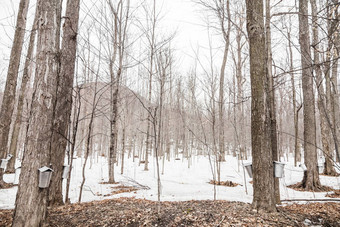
pixel 178 181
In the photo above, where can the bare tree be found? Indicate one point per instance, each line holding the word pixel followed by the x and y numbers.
pixel 63 104
pixel 271 97
pixel 8 100
pixel 121 15
pixel 31 201
pixel 239 62
pixel 221 10
pixel 263 179
pixel 21 99
pixel 296 108
pixel 321 101
pixel 89 135
pixel 75 121
pixel 311 179
pixel 151 36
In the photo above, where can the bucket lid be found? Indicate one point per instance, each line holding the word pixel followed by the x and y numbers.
pixel 45 168
pixel 247 164
pixel 277 162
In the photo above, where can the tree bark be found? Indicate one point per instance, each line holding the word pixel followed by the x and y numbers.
pixel 76 115
pixel 31 201
pixel 21 100
pixel 334 79
pixel 271 99
pixel 226 35
pixel 88 138
pixel 64 100
pixel 325 132
pixel 297 152
pixel 114 89
pixel 311 176
pixel 8 100
pixel 263 183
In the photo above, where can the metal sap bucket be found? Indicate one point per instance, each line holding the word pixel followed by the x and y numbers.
pixel 66 170
pixel 4 163
pixel 249 168
pixel 45 175
pixel 17 175
pixel 279 169
pixel 321 167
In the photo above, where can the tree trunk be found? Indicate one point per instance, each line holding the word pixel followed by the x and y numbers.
pixel 271 99
pixel 88 140
pixel 114 89
pixel 297 154
pixel 21 100
pixel 64 100
pixel 226 35
pixel 31 201
pixel 8 100
pixel 113 129
pixel 334 79
pixel 263 183
pixel 325 132
pixel 311 176
pixel 123 151
pixel 73 141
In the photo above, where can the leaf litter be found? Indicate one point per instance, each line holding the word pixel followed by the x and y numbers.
pixel 141 212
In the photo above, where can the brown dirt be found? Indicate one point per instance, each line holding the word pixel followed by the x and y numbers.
pixel 138 212
pixel 224 183
pixel 119 189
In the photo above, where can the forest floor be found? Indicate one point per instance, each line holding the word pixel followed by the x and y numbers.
pixel 140 212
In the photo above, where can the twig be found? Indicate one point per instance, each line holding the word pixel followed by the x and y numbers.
pixel 144 187
pixel 219 224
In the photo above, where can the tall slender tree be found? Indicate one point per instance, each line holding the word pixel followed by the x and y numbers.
pixel 311 179
pixel 151 36
pixel 271 97
pixel 8 100
pixel 263 182
pixel 321 100
pixel 63 104
pixel 21 99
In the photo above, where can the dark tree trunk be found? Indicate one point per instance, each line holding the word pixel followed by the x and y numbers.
pixel 64 100
pixel 263 179
pixel 31 201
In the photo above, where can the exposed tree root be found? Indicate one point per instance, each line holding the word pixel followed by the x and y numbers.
pixel 300 187
pixel 331 174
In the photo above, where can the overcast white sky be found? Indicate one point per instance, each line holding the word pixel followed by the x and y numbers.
pixel 181 16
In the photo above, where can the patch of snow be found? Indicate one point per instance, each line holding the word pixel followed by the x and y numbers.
pixel 179 182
